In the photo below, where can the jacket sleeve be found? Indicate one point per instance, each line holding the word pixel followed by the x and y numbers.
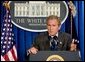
pixel 36 43
pixel 69 41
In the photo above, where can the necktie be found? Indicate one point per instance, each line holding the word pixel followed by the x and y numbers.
pixel 53 43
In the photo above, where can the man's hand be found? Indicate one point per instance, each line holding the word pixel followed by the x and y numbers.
pixel 73 46
pixel 32 50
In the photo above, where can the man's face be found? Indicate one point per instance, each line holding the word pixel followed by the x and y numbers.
pixel 52 27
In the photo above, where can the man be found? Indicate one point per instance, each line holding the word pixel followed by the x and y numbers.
pixel 63 41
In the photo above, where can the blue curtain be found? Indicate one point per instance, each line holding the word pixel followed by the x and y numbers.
pixel 81 28
pixel 79 25
pixel 24 38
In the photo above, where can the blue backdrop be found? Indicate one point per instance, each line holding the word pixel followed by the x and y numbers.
pixel 24 38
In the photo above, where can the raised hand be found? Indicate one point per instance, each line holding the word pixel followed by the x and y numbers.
pixel 32 50
pixel 73 46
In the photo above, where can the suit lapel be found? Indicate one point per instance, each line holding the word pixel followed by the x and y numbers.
pixel 60 39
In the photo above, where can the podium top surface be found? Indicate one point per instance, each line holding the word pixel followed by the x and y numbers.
pixel 63 55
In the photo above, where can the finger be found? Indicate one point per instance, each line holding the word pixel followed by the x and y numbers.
pixel 73 41
pixel 34 51
pixel 73 47
pixel 29 51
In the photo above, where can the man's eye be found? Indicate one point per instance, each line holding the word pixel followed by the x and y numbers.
pixel 54 25
pixel 48 25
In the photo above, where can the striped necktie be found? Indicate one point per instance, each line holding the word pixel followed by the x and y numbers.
pixel 53 43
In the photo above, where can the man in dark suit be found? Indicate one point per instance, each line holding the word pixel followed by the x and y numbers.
pixel 53 39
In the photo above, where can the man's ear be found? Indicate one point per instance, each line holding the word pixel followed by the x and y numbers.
pixel 59 27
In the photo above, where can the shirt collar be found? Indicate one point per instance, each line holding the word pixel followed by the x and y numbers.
pixel 56 35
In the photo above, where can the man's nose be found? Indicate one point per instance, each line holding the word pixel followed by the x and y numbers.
pixel 51 28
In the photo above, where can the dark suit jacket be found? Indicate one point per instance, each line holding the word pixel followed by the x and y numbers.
pixel 41 42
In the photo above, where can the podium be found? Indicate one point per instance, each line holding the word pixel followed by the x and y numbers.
pixel 55 56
